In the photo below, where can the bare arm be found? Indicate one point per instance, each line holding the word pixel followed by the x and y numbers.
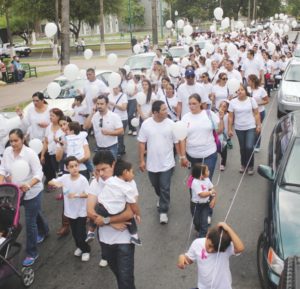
pixel 183 261
pixel 179 109
pixel 230 123
pixel 142 149
pixel 182 156
pixel 116 132
pixel 88 122
pixel 87 154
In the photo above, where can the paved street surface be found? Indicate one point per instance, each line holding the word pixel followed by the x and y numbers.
pixel 155 261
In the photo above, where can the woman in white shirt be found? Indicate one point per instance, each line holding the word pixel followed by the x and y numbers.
pixel 161 92
pixel 31 185
pixel 207 88
pixel 199 146
pixel 261 97
pixel 118 104
pixel 171 101
pixel 52 136
pixel 244 115
pixel 219 90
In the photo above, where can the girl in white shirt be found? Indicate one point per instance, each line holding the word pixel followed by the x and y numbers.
pixel 219 90
pixel 207 87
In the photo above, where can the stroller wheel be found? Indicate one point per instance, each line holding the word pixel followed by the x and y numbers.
pixel 27 276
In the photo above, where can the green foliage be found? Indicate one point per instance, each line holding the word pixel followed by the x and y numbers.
pixel 294 8
pixel 137 13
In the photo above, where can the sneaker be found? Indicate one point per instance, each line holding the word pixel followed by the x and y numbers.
pixel 209 220
pixel 222 168
pixel 134 133
pixel 103 263
pixel 85 257
pixel 77 252
pixel 163 218
pixel 40 239
pixel 29 261
pixel 130 132
pixel 157 204
pixel 250 172
pixel 229 144
pixel 242 169
pixel 256 150
pixel 90 237
pixel 136 241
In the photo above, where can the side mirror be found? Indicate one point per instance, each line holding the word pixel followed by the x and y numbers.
pixel 266 172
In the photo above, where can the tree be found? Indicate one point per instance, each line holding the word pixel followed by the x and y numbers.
pixel 294 7
pixel 137 11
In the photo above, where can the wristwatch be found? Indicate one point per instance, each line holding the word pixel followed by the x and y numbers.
pixel 106 220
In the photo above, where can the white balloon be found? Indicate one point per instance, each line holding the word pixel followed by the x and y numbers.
pixel 281 16
pixel 212 28
pixel 53 90
pixel 112 59
pixel 187 30
pixel 225 23
pixel 114 80
pixel 82 73
pixel 271 19
pixel 234 34
pixel 232 50
pixel 252 22
pixel 71 72
pixel 174 70
pixel 50 29
pixel 260 27
pixel 180 130
pixel 137 48
pixel 141 98
pixel 135 122
pixel 185 62
pixel 294 24
pixel 169 24
pixel 209 48
pixel 276 16
pixel 188 40
pixel 218 13
pixel 233 85
pixel 180 24
pixel 239 25
pixel 286 28
pixel 36 145
pixel 127 68
pixel 271 47
pixel 130 88
pixel 19 171
pixel 88 54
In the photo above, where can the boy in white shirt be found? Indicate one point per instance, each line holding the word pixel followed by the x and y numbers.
pixel 213 267
pixel 75 187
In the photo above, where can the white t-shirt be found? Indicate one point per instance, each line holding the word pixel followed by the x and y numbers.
pixel 51 136
pixel 76 207
pixel 171 103
pixel 116 194
pixel 78 111
pixel 258 94
pixel 252 67
pixel 243 113
pixel 107 234
pixel 146 107
pixel 185 91
pixel 121 98
pixel 200 142
pixel 160 140
pixel 207 88
pixel 33 118
pixel 221 93
pixel 111 121
pixel 211 266
pixel 199 186
pixel 234 74
pixel 92 90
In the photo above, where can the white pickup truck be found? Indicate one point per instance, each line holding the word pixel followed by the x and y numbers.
pixel 19 50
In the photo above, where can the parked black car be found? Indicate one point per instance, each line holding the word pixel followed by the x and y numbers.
pixel 280 238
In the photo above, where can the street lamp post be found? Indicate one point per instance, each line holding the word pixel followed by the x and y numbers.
pixel 130 25
pixel 176 15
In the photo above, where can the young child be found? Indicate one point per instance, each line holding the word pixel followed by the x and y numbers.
pixel 213 267
pixel 120 190
pixel 75 187
pixel 79 110
pixel 223 137
pixel 203 197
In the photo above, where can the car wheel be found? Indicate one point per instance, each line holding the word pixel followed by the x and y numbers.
pixel 262 274
pixel 279 113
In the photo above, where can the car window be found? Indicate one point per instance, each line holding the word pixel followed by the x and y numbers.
pixel 70 89
pixel 293 73
pixel 291 172
pixel 139 62
pixel 104 77
pixel 178 52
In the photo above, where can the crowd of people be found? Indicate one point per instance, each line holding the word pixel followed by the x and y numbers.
pixel 99 191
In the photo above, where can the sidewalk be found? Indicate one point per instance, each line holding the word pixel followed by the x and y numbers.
pixel 15 93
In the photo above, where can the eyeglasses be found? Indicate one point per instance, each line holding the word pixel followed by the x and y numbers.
pixel 101 122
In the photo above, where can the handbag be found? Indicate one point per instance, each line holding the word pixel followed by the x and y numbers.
pixel 215 134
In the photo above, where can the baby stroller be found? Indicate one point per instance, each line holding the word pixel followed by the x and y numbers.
pixel 10 228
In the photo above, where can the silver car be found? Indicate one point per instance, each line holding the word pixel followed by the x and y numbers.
pixel 289 91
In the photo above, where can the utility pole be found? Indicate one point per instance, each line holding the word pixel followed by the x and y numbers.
pixel 254 10
pixel 65 32
pixel 154 23
pixel 130 19
pixel 161 19
pixel 101 24
pixel 249 12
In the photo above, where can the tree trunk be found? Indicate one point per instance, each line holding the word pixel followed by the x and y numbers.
pixel 65 32
pixel 154 23
pixel 9 35
pixel 101 24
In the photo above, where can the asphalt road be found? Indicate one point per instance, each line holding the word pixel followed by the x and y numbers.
pixel 155 261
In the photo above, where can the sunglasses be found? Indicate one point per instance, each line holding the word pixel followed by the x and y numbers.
pixel 101 122
pixel 203 76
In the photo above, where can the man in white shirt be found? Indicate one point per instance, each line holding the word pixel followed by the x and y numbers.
pixel 107 126
pixel 159 57
pixel 188 88
pixel 252 66
pixel 93 88
pixel 231 72
pixel 157 133
pixel 113 234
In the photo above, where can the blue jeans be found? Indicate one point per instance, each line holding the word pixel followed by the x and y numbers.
pixel 120 258
pixel 161 181
pixel 247 141
pixel 121 146
pixel 200 213
pixel 210 161
pixel 35 224
pixel 131 110
pixel 113 149
pixel 258 136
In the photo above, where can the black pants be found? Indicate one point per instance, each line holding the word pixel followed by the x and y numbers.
pixel 224 156
pixel 78 227
pixel 120 258
pixel 100 210
pixel 200 213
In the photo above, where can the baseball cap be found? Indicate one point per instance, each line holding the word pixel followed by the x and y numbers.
pixel 190 72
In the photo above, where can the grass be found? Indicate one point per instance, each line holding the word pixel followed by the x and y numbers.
pixel 46 73
pixel 21 105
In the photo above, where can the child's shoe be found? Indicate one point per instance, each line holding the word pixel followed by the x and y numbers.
pixel 85 257
pixel 136 241
pixel 90 237
pixel 77 252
